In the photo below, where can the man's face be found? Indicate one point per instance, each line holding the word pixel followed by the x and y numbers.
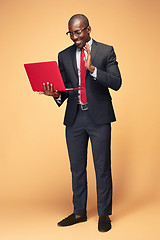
pixel 79 40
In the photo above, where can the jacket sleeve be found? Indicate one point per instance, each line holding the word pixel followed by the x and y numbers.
pixel 110 77
pixel 64 95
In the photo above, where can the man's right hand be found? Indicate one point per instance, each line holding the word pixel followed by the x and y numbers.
pixel 48 90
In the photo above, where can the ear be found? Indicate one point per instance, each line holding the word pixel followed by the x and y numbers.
pixel 89 29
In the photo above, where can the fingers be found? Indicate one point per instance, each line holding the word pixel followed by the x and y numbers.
pixel 49 91
pixel 51 87
pixel 48 87
pixel 86 48
pixel 56 94
pixel 44 86
pixel 87 45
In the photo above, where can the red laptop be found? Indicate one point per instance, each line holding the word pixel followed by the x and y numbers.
pixel 43 72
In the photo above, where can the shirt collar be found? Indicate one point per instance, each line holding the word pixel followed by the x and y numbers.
pixel 90 42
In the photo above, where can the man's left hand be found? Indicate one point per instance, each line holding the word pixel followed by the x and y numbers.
pixel 88 60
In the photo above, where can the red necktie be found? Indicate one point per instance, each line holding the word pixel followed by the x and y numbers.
pixel 83 75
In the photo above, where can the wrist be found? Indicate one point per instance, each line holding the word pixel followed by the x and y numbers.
pixel 91 69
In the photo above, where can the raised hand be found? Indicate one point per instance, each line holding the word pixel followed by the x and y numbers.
pixel 88 60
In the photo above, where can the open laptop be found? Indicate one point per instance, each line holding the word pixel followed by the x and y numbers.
pixel 43 72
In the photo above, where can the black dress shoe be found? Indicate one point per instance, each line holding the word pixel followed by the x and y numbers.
pixel 104 224
pixel 71 219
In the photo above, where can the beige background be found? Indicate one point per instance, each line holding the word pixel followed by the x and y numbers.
pixel 35 181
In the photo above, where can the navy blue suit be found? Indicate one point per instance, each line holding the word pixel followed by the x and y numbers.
pixel 95 123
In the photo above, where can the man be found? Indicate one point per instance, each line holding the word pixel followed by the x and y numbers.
pixel 89 113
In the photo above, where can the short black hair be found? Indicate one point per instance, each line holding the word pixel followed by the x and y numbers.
pixel 81 18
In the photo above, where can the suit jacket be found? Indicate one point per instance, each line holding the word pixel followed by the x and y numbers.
pixel 98 96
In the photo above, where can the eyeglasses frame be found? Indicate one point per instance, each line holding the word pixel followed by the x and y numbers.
pixel 75 32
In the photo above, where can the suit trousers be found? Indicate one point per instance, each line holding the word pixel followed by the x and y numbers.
pixel 77 137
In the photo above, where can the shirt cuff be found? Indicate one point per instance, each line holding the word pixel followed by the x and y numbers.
pixel 58 99
pixel 94 74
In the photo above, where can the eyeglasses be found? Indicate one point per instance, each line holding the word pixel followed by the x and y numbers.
pixel 76 33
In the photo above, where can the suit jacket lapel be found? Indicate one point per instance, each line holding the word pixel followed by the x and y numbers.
pixel 73 59
pixel 73 56
pixel 93 50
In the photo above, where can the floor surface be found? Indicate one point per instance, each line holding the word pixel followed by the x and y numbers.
pixel 30 222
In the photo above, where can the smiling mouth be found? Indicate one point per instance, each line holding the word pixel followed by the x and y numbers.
pixel 77 42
